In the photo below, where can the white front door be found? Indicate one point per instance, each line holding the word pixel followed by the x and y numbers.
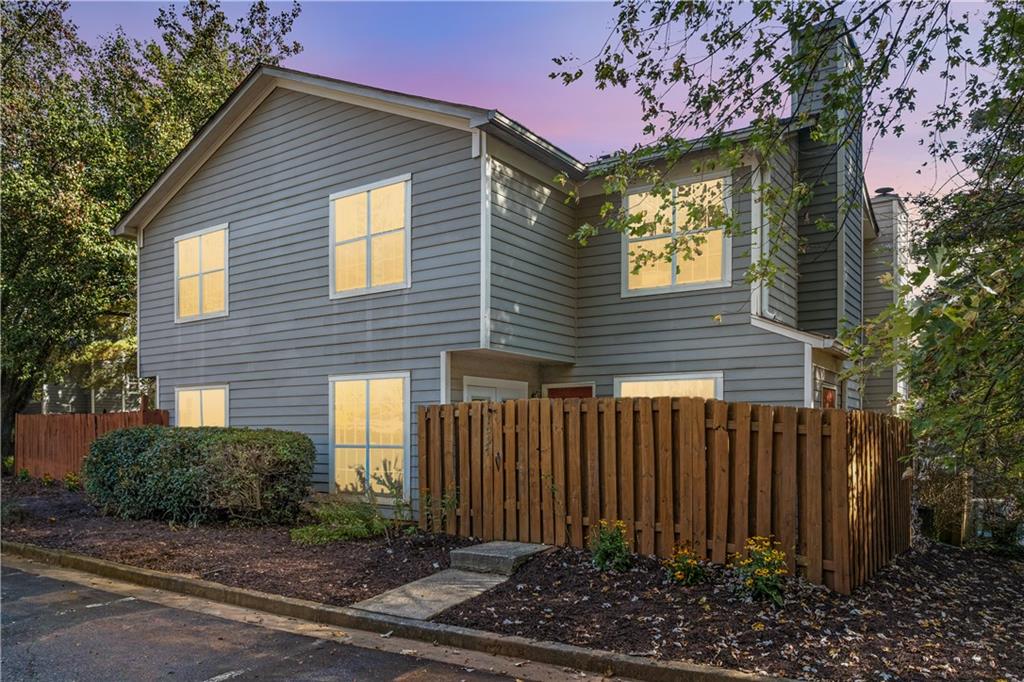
pixel 495 390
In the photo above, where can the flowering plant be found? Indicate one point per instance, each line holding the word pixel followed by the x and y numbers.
pixel 761 570
pixel 684 567
pixel 609 547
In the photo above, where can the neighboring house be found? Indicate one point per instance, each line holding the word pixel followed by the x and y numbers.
pixel 325 257
pixel 74 395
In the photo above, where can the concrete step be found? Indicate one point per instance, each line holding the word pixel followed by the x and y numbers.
pixel 427 597
pixel 499 557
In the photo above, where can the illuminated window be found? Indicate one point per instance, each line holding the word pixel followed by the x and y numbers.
pixel 707 385
pixel 200 274
pixel 201 406
pixel 370 238
pixel 695 209
pixel 370 428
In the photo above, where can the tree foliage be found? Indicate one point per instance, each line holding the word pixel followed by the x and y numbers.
pixel 956 331
pixel 86 131
pixel 703 69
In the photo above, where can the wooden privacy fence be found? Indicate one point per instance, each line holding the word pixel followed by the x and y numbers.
pixel 56 444
pixel 827 484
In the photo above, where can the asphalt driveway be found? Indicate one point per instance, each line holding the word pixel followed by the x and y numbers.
pixel 55 630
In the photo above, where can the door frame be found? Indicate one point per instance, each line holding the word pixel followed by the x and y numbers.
pixel 570 384
pixel 491 382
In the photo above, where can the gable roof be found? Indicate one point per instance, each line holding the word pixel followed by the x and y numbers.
pixel 265 78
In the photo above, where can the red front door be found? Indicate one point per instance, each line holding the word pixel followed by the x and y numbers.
pixel 585 391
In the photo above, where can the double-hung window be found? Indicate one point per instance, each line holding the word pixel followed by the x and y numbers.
pixel 201 406
pixel 693 216
pixel 370 426
pixel 201 274
pixel 370 238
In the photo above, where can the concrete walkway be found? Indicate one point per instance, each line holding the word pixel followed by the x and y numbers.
pixel 427 597
pixel 476 569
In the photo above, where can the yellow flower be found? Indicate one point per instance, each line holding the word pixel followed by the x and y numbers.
pixel 758 627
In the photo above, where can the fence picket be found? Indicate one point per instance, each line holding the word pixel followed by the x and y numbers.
pixel 663 476
pixel 547 475
pixel 627 477
pixel 718 454
pixel 558 455
pixel 575 479
pixel 511 490
pixel 593 462
pixel 740 448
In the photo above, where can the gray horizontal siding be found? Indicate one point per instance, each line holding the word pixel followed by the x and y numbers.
pixel 818 297
pixel 676 332
pixel 782 294
pixel 879 260
pixel 853 230
pixel 533 266
pixel 284 336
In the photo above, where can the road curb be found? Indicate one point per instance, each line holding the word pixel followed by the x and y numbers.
pixel 580 658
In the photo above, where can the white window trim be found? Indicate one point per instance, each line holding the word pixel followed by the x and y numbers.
pixel 569 384
pixel 227 399
pixel 332 484
pixel 352 293
pixel 725 282
pixel 718 376
pixel 198 233
pixel 489 382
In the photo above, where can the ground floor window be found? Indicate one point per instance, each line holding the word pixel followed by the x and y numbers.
pixel 707 385
pixel 369 432
pixel 201 406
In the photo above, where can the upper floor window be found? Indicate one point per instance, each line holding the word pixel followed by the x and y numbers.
pixel 696 210
pixel 201 406
pixel 201 274
pixel 370 238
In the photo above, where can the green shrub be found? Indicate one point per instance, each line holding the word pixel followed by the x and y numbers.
pixel 24 475
pixel 609 547
pixel 72 481
pixel 341 519
pixel 47 480
pixel 192 476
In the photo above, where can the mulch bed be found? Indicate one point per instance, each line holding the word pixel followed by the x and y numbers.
pixel 937 613
pixel 265 559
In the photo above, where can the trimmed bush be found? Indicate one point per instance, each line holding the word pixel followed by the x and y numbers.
pixel 193 476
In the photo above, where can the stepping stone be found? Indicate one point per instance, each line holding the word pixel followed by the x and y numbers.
pixel 499 557
pixel 426 597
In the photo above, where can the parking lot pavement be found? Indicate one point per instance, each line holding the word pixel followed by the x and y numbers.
pixel 58 630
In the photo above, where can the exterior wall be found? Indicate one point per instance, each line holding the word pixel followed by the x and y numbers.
pixel 781 300
pixel 677 332
pixel 817 290
pixel 284 336
pixel 879 259
pixel 851 221
pixel 533 265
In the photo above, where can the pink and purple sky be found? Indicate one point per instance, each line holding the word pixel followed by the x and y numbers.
pixel 495 55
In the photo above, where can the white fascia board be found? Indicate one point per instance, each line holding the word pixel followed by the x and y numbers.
pixel 812 340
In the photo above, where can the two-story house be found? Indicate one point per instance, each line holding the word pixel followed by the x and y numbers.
pixel 326 256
